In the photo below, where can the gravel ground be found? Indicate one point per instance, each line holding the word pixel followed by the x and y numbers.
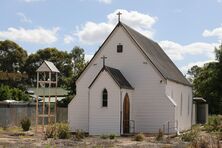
pixel 15 138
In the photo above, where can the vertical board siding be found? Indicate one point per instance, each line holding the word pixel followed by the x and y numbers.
pixel 104 120
pixel 151 108
pixel 184 119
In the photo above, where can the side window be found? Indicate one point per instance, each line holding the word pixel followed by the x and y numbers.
pixel 105 98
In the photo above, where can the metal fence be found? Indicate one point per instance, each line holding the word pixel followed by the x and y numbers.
pixel 11 114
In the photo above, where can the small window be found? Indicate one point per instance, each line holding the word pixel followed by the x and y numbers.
pixel 105 98
pixel 119 48
pixel 181 104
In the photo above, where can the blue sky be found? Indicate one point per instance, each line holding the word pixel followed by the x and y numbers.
pixel 187 30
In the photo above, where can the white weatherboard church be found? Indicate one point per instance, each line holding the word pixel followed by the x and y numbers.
pixel 130 85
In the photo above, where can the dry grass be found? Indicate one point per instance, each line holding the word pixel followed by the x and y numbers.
pixel 24 140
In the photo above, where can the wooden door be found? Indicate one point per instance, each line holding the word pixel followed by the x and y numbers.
pixel 126 114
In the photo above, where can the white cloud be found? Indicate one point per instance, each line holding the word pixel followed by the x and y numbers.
pixel 24 18
pixel 68 39
pixel 217 32
pixel 38 35
pixel 185 68
pixel 88 57
pixel 177 51
pixel 106 1
pixel 219 1
pixel 92 32
pixel 173 50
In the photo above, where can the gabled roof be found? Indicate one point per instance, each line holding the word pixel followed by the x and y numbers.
pixel 47 67
pixel 157 56
pixel 117 77
pixel 154 54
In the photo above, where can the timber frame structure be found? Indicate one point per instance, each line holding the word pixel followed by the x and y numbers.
pixel 47 77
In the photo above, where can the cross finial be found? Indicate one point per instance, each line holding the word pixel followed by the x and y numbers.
pixel 119 14
pixel 104 60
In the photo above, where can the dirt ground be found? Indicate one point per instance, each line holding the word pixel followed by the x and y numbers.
pixel 14 137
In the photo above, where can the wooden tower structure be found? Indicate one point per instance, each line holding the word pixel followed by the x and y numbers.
pixel 47 77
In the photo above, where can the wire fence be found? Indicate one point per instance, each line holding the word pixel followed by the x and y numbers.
pixel 170 127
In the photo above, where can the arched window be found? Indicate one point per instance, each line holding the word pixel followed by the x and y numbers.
pixel 105 98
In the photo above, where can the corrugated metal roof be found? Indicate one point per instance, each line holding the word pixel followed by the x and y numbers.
pixel 117 77
pixel 47 66
pixel 48 91
pixel 157 56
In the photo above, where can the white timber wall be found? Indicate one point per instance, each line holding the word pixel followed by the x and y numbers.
pixel 183 110
pixel 104 120
pixel 151 107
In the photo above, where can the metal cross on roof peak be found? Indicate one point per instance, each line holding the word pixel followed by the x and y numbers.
pixel 119 14
pixel 104 60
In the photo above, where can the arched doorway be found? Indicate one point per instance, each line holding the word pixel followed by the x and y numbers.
pixel 126 114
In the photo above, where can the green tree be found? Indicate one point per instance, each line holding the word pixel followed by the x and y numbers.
pixel 12 56
pixel 8 93
pixel 78 63
pixel 78 60
pixel 207 82
pixel 5 93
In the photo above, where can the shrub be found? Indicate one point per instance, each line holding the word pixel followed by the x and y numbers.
pixel 80 134
pixel 190 135
pixel 26 123
pixel 58 130
pixel 214 124
pixel 63 131
pixel 50 131
pixel 205 141
pixel 139 137
pixel 103 136
pixel 219 136
pixel 112 136
pixel 159 137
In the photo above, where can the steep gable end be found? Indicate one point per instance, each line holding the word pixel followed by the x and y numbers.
pixel 157 56
pixel 153 52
